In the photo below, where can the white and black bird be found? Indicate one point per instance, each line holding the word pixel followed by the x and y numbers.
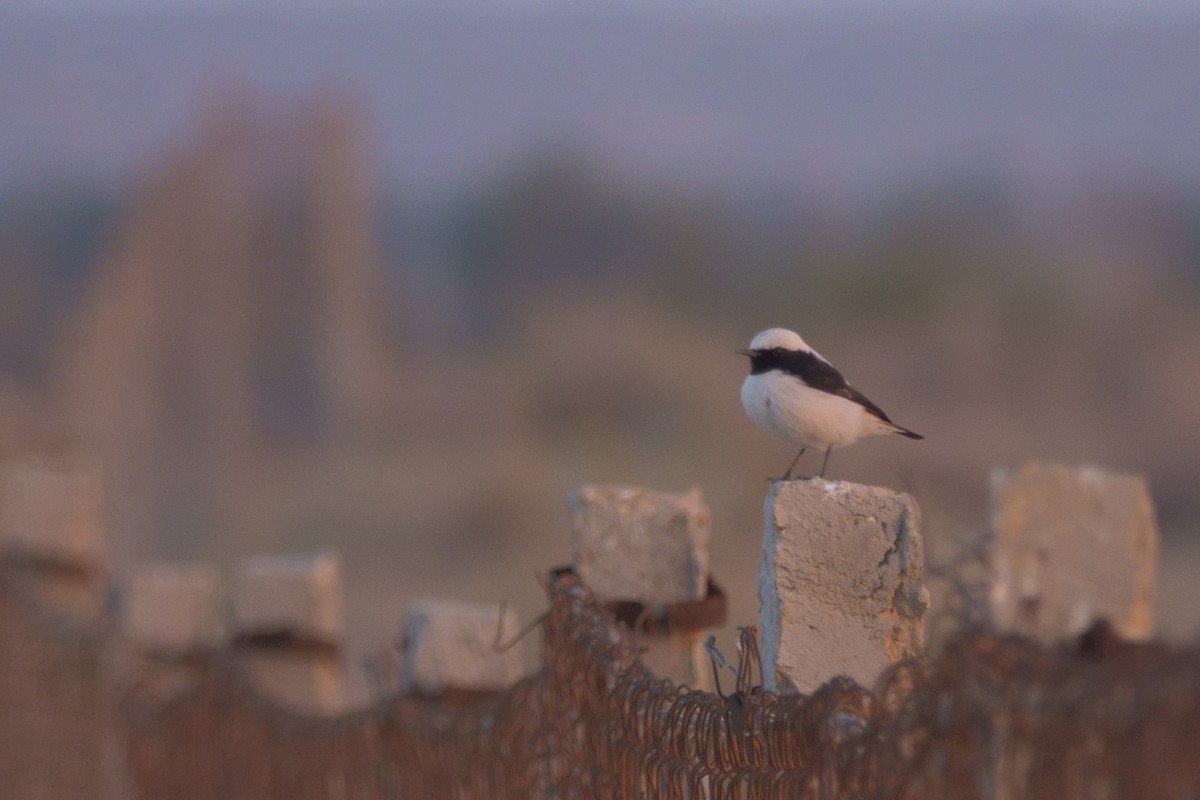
pixel 797 395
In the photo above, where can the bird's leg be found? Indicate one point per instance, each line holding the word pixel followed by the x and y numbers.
pixel 795 461
pixel 825 463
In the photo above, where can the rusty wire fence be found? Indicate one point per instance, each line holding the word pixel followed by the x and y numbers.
pixel 989 717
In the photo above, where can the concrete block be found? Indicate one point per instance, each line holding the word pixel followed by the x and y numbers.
pixel 448 645
pixel 650 547
pixel 638 544
pixel 840 582
pixel 53 512
pixel 175 609
pixel 1070 546
pixel 299 595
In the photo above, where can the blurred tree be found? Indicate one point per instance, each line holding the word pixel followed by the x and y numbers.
pixel 559 224
pixel 49 239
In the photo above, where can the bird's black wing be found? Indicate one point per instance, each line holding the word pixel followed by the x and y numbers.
pixel 819 374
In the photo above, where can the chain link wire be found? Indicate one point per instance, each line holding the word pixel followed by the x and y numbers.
pixel 990 716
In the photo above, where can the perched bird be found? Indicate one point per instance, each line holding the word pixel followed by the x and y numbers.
pixel 797 395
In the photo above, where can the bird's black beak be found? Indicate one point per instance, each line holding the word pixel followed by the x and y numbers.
pixel 744 352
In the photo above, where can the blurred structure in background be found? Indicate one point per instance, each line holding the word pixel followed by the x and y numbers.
pixel 233 323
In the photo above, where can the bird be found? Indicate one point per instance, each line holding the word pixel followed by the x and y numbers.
pixel 795 394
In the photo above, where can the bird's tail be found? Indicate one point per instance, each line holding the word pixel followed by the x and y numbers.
pixel 904 431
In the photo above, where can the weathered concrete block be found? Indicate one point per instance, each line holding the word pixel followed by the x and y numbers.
pixel 175 609
pixel 1070 546
pixel 840 582
pixel 53 512
pixel 300 595
pixel 638 544
pixel 448 645
pixel 652 547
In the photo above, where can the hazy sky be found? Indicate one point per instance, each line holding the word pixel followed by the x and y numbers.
pixel 1115 7
pixel 757 93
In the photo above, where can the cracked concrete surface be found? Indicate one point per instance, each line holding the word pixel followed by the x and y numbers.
pixel 840 582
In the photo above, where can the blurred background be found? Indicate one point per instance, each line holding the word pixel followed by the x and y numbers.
pixel 394 278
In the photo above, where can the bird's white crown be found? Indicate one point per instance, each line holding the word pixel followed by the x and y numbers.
pixel 778 337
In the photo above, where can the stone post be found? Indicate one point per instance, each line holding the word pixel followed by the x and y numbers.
pixel 448 649
pixel 174 610
pixel 52 519
pixel 840 583
pixel 1069 547
pixel 173 621
pixel 648 547
pixel 288 626
pixel 56 729
pixel 52 512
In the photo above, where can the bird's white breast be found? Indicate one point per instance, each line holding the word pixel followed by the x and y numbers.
pixel 807 417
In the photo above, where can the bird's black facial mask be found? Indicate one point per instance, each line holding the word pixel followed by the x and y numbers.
pixel 778 358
